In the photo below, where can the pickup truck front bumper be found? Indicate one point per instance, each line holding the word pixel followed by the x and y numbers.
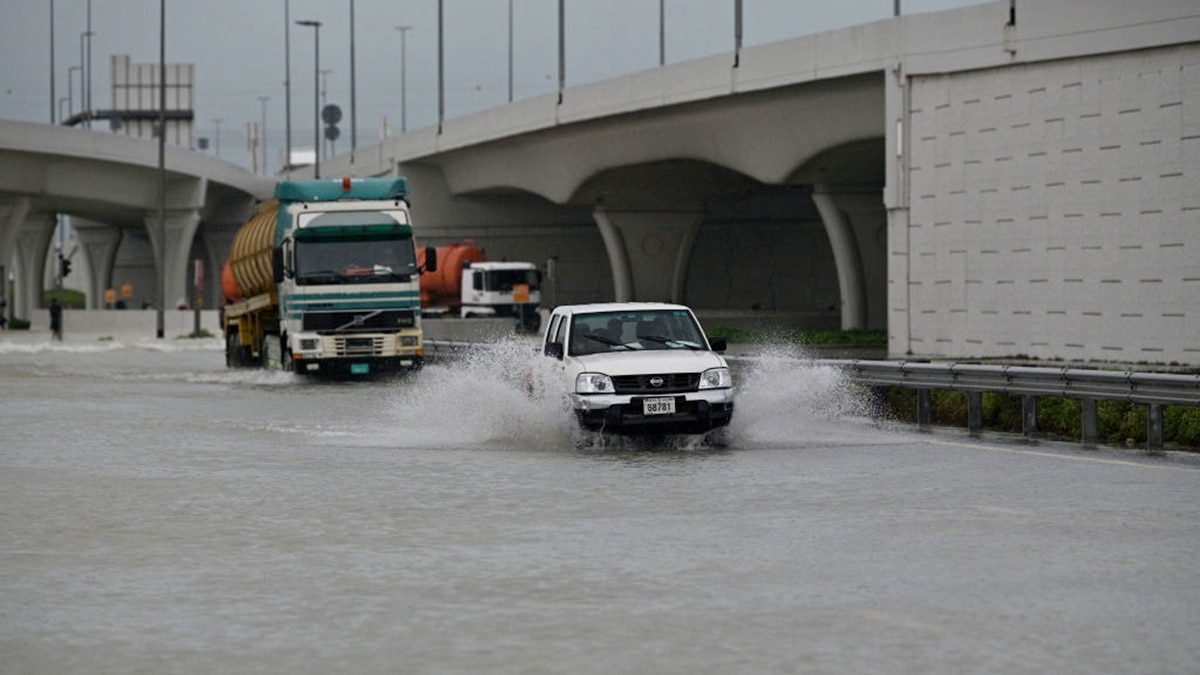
pixel 695 413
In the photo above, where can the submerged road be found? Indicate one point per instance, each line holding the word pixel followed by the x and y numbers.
pixel 161 514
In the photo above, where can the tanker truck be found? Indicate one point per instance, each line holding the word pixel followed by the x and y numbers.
pixel 323 280
pixel 467 283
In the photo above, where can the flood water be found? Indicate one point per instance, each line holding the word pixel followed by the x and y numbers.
pixel 160 514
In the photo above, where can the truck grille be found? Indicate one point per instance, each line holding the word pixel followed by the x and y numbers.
pixel 355 346
pixel 362 320
pixel 671 383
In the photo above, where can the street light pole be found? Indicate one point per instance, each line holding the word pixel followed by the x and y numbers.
pixel 353 111
pixel 662 32
pixel 83 104
pixel 441 72
pixel 71 89
pixel 737 32
pixel 217 122
pixel 262 133
pixel 403 79
pixel 562 50
pixel 52 65
pixel 89 64
pixel 324 103
pixel 161 328
pixel 316 26
pixel 510 51
pixel 287 89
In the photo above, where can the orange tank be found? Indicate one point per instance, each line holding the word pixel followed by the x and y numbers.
pixel 249 264
pixel 443 287
pixel 228 286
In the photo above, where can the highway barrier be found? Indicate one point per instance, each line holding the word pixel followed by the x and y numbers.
pixel 1154 390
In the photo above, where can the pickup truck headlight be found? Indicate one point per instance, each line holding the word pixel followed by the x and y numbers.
pixel 593 383
pixel 716 378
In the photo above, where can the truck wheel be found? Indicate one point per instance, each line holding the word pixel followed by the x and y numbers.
pixel 285 355
pixel 232 351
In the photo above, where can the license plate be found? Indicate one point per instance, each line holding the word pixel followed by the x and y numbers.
pixel 360 368
pixel 658 406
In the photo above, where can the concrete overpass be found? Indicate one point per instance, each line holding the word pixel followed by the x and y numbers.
pixel 1011 179
pixel 109 185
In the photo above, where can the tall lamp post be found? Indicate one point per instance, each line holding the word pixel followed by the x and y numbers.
pixel 217 123
pixel 510 50
pixel 83 103
pixel 71 89
pixel 287 90
pixel 160 319
pixel 353 110
pixel 662 33
pixel 262 133
pixel 403 80
pixel 316 26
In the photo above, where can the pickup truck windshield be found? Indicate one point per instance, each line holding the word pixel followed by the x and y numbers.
pixel 643 329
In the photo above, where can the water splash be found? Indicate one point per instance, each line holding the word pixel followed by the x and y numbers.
pixel 783 396
pixel 482 398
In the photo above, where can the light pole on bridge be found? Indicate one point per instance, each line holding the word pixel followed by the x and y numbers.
pixel 316 26
pixel 403 79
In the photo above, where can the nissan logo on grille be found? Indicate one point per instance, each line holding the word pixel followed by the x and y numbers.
pixel 656 381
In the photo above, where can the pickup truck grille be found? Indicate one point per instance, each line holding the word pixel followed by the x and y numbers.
pixel 669 383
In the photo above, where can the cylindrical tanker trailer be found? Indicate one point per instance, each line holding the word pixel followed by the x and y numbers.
pixel 324 280
pixel 467 283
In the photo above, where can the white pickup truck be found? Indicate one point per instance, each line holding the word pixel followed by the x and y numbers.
pixel 639 368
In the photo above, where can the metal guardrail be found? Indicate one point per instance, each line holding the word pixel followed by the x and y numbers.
pixel 1077 383
pixel 1089 386
pixel 444 348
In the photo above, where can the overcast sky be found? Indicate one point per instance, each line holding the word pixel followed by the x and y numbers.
pixel 237 47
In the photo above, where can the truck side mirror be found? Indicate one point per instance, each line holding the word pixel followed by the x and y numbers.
pixel 555 349
pixel 277 264
pixel 430 259
pixel 718 344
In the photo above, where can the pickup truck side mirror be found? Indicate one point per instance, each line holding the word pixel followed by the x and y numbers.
pixel 555 349
pixel 718 344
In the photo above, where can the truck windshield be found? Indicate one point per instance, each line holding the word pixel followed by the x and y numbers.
pixel 638 329
pixel 364 260
pixel 504 280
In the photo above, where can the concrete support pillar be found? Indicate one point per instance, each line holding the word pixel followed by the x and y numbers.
pixel 649 251
pixel 99 243
pixel 851 277
pixel 12 215
pixel 181 226
pixel 33 242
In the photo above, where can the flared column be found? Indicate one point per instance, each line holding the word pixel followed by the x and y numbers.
pixel 851 283
pixel 181 226
pixel 99 243
pixel 649 251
